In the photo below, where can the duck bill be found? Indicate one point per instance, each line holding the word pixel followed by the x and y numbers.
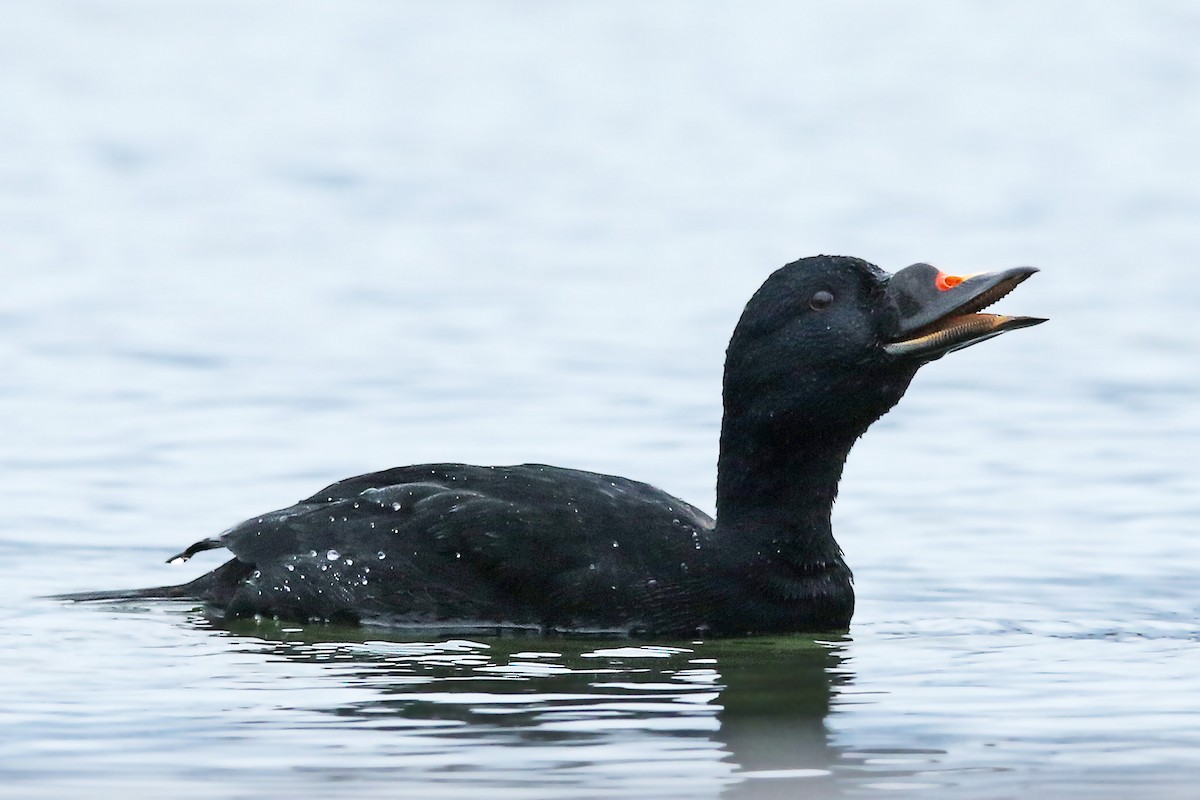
pixel 937 313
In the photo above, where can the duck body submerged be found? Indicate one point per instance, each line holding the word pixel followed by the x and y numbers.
pixel 823 349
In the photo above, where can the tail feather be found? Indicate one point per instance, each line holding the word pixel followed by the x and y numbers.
pixel 154 592
pixel 213 587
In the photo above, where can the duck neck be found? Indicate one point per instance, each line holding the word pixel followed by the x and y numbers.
pixel 776 487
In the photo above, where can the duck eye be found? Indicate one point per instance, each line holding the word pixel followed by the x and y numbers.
pixel 821 300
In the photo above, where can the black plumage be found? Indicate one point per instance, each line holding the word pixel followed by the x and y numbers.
pixel 823 349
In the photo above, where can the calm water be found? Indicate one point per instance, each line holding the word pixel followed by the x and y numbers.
pixel 249 249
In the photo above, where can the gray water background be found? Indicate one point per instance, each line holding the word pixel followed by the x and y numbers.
pixel 250 248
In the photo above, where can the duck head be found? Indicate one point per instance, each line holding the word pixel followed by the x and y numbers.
pixel 828 344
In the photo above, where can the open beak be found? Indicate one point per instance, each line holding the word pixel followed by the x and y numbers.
pixel 938 313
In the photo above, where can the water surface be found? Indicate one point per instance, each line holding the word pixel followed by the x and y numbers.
pixel 249 250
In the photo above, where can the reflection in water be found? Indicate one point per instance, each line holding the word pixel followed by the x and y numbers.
pixel 776 696
pixel 748 716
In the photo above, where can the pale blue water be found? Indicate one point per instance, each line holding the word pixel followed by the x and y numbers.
pixel 249 249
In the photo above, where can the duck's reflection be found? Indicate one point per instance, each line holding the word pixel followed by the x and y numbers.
pixel 777 695
pixel 744 718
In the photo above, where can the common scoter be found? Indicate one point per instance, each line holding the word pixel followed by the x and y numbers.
pixel 824 348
